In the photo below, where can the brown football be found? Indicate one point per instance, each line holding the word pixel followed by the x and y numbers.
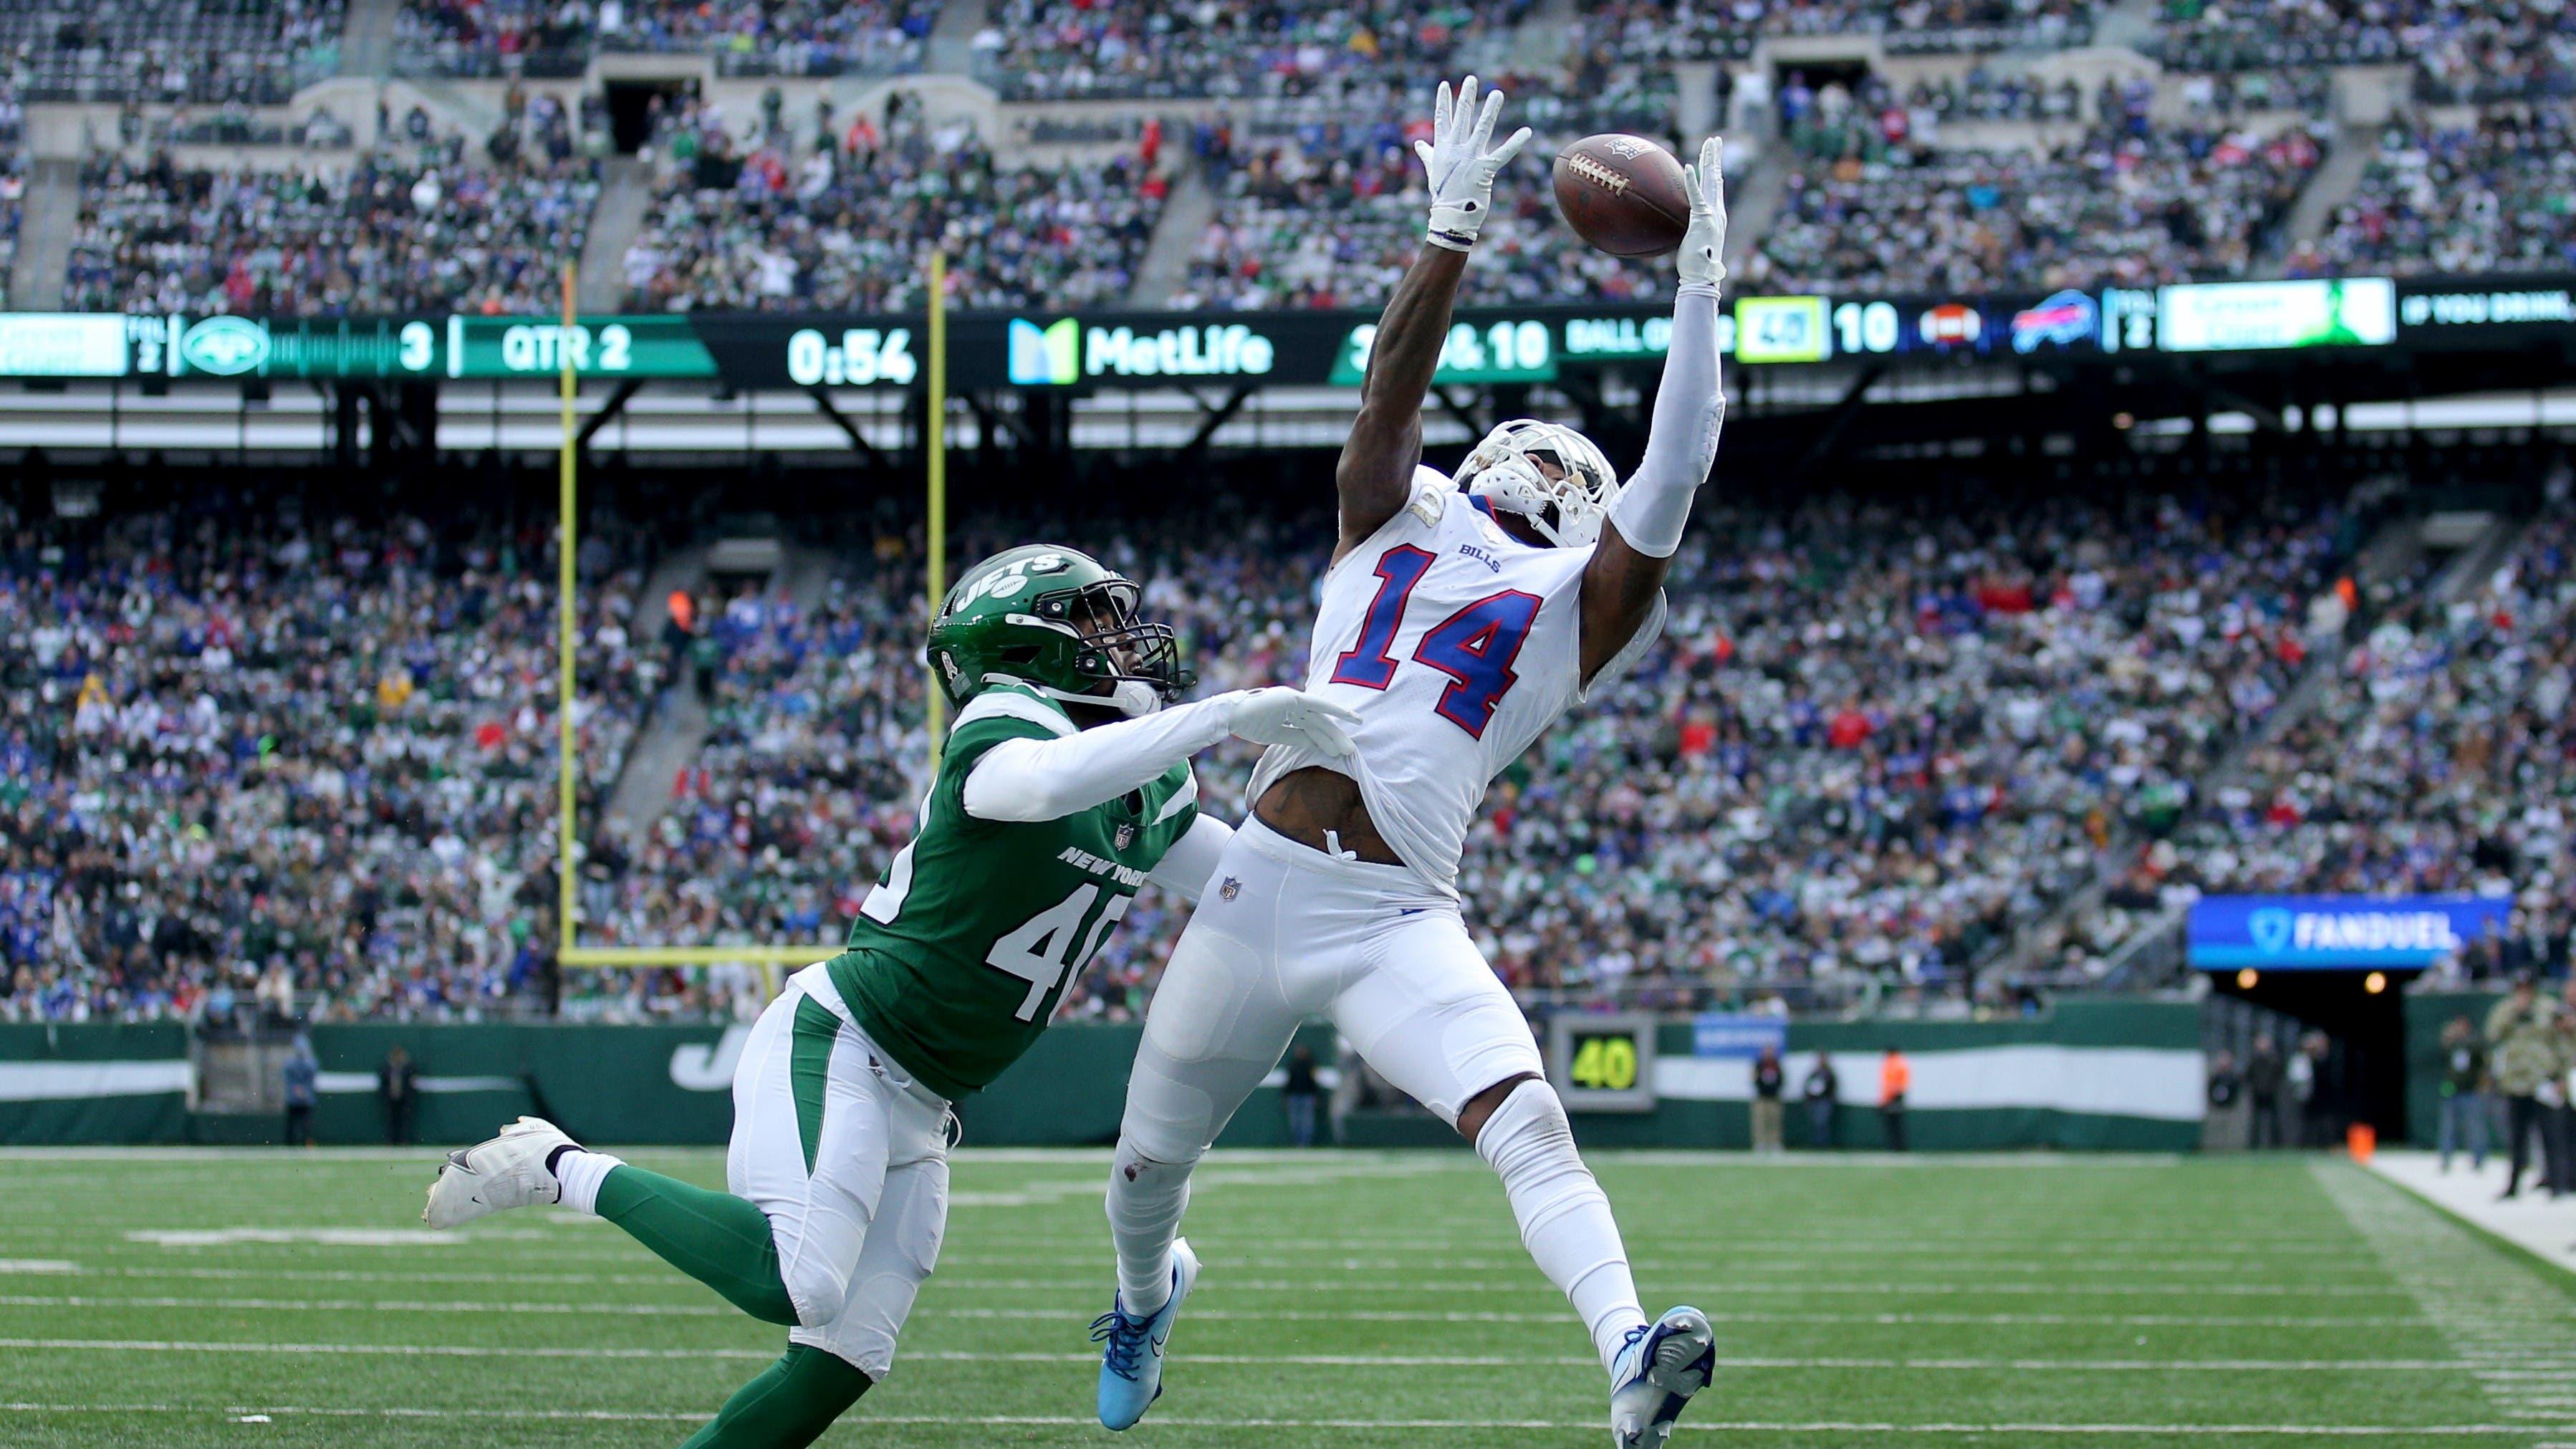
pixel 1623 194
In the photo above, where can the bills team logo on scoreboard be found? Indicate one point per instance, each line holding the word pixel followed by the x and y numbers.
pixel 2066 319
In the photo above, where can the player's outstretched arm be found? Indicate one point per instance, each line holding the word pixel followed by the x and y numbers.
pixel 1031 779
pixel 1626 575
pixel 1375 475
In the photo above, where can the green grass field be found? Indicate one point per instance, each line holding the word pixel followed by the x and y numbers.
pixel 175 1298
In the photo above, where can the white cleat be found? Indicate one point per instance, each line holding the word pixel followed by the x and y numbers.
pixel 507 1172
pixel 1660 1367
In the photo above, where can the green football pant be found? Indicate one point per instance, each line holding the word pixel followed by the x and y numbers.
pixel 792 1402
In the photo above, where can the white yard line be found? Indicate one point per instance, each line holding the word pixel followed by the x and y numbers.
pixel 1750 1426
pixel 1253 1360
pixel 1363 1315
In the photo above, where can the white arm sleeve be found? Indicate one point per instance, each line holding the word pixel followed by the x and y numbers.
pixel 1049 779
pixel 1185 868
pixel 1690 406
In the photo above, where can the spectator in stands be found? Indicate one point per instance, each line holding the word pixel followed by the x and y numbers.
pixel 1300 1095
pixel 2266 1075
pixel 2464 1093
pixel 1820 1088
pixel 303 1077
pixel 1769 1081
pixel 2522 1035
pixel 1895 1079
pixel 398 1088
pixel 2223 1130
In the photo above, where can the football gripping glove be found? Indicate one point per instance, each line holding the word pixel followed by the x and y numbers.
pixel 1704 244
pixel 1283 716
pixel 1459 168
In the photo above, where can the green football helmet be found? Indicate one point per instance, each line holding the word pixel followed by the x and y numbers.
pixel 1052 619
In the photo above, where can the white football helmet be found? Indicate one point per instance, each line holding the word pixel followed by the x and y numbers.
pixel 1567 509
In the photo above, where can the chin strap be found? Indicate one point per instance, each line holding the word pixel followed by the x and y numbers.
pixel 1133 698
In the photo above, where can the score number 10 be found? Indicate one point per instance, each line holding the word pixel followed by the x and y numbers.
pixel 1866 327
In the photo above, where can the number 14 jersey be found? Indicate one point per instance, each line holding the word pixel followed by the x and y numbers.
pixel 1458 645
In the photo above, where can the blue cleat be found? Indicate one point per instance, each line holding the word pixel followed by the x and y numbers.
pixel 1661 1365
pixel 1131 1356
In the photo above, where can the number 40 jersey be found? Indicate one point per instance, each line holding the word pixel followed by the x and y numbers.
pixel 962 951
pixel 1458 645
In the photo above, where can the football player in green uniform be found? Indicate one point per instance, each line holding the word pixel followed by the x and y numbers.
pixel 1065 787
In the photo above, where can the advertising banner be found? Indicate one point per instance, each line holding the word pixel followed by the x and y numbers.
pixel 2332 933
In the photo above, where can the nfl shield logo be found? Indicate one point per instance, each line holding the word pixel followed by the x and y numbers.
pixel 1231 888
pixel 1126 836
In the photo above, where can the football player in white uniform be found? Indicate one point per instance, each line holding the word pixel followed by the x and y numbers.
pixel 1459 618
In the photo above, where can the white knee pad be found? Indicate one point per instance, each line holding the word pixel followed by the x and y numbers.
pixel 819 1293
pixel 1530 1144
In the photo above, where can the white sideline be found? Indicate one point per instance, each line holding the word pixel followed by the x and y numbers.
pixel 2533 1222
pixel 2339 1431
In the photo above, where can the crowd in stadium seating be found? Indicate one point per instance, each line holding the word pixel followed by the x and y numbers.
pixel 1689 29
pixel 13 177
pixel 2441 760
pixel 1873 739
pixel 255 51
pixel 2490 195
pixel 418 224
pixel 1074 49
pixel 2132 201
pixel 846 218
pixel 1322 202
pixel 2200 35
pixel 2497 52
pixel 232 742
pixel 747 37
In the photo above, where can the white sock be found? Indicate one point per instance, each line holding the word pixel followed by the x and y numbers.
pixel 1146 1199
pixel 1565 1220
pixel 578 1173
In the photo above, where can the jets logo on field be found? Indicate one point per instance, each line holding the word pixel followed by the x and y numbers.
pixel 1126 836
pixel 1231 888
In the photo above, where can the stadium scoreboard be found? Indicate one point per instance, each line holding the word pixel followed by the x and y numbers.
pixel 1315 348
pixel 1604 1061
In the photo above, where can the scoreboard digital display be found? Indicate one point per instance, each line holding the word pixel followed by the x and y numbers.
pixel 1603 1062
pixel 1485 345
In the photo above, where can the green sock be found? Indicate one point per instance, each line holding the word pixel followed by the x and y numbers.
pixel 714 1237
pixel 792 1402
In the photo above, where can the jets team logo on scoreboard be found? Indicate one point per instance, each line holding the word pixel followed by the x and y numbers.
pixel 224 346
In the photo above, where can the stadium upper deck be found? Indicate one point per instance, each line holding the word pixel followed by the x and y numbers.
pixel 1237 158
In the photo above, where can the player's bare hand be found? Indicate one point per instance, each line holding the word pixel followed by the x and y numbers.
pixel 1703 252
pixel 1284 716
pixel 1457 164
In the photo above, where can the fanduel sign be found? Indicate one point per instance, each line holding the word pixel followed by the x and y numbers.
pixel 2337 932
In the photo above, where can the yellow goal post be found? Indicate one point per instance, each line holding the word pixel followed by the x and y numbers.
pixel 568 949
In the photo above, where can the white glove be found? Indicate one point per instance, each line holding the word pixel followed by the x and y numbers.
pixel 1704 244
pixel 1283 716
pixel 1460 169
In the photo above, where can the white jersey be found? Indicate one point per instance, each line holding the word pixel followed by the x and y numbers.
pixel 1458 645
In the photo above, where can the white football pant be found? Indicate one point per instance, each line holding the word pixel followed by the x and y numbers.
pixel 858 1230
pixel 1284 932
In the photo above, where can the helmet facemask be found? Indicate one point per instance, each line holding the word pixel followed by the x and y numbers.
pixel 1511 469
pixel 1140 661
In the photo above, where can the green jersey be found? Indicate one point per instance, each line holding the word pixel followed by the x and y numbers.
pixel 962 951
